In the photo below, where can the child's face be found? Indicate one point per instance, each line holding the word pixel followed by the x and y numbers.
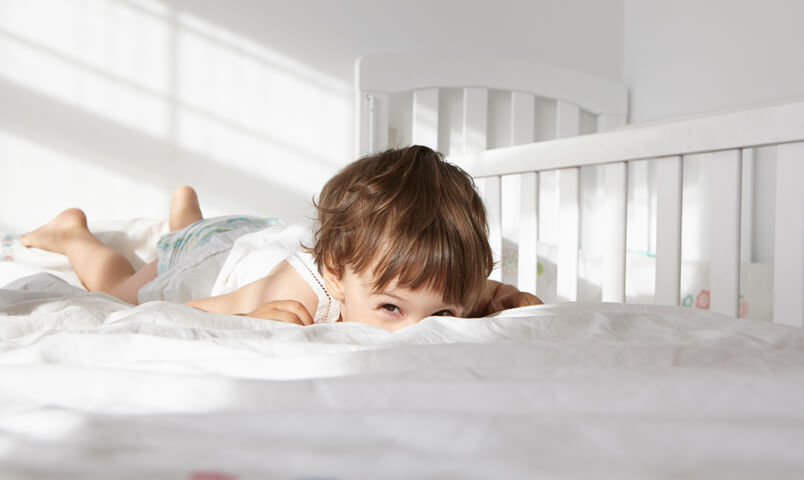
pixel 393 308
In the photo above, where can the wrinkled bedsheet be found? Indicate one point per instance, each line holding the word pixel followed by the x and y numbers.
pixel 91 387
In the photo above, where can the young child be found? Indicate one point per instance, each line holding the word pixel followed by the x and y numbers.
pixel 400 236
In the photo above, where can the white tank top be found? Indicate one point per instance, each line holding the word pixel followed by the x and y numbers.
pixel 254 255
pixel 221 269
pixel 328 310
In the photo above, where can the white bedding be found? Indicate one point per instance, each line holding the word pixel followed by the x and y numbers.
pixel 91 387
pixel 94 388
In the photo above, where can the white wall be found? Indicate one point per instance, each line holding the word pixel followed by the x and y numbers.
pixel 687 57
pixel 109 104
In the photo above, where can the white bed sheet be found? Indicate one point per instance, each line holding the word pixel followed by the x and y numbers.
pixel 91 387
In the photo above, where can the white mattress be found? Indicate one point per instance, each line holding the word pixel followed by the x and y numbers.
pixel 94 388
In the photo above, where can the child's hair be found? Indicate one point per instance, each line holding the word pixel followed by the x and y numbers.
pixel 408 215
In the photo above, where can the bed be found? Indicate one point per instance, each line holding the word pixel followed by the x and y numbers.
pixel 605 380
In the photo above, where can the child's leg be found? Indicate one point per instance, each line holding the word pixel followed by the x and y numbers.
pixel 184 208
pixel 97 265
pixel 129 286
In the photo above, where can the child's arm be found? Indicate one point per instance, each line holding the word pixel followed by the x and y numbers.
pixel 281 295
pixel 238 302
pixel 501 296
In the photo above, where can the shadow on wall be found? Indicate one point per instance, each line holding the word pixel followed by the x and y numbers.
pixel 135 97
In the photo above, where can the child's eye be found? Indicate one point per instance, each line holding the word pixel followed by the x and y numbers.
pixel 444 313
pixel 391 308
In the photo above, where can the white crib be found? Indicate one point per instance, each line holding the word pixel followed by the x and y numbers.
pixel 492 117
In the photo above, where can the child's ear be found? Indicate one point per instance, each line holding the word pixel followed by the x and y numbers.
pixel 334 283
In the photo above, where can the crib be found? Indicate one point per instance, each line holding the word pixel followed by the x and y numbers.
pixel 512 125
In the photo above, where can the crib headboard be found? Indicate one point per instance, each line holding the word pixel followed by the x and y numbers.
pixel 460 103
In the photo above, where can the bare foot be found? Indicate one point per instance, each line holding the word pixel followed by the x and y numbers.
pixel 51 235
pixel 184 208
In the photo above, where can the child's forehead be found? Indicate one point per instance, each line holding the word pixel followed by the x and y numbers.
pixel 369 282
pixel 369 279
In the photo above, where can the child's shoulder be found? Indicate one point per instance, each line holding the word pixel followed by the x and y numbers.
pixel 255 254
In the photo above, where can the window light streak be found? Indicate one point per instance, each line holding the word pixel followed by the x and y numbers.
pixel 50 74
pixel 155 7
pixel 105 35
pixel 241 47
pixel 47 168
pixel 262 158
pixel 254 94
pixel 203 93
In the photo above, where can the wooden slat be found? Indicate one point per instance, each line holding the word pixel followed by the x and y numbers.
pixel 372 130
pixel 616 191
pixel 490 192
pixel 788 278
pixel 568 230
pixel 475 119
pixel 568 119
pixel 523 113
pixel 522 130
pixel 724 240
pixel 425 117
pixel 527 271
pixel 510 223
pixel 747 208
pixel 450 120
pixel 362 123
pixel 668 231
pixel 382 103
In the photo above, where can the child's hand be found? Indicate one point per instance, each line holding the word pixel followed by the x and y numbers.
pixel 513 298
pixel 500 296
pixel 289 311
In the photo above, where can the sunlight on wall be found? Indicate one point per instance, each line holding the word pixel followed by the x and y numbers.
pixel 75 56
pixel 152 98
pixel 259 90
pixel 45 172
pixel 257 107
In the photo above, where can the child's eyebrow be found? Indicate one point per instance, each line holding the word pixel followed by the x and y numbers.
pixel 391 295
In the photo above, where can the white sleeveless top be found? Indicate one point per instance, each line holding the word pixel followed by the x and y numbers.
pixel 236 259
pixel 328 310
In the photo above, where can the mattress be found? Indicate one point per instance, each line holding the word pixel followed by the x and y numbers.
pixel 91 387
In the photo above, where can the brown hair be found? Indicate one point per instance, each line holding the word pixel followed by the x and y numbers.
pixel 410 216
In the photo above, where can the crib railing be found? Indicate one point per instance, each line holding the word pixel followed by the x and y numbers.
pixel 725 141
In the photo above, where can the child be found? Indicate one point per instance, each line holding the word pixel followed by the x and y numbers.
pixel 400 236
